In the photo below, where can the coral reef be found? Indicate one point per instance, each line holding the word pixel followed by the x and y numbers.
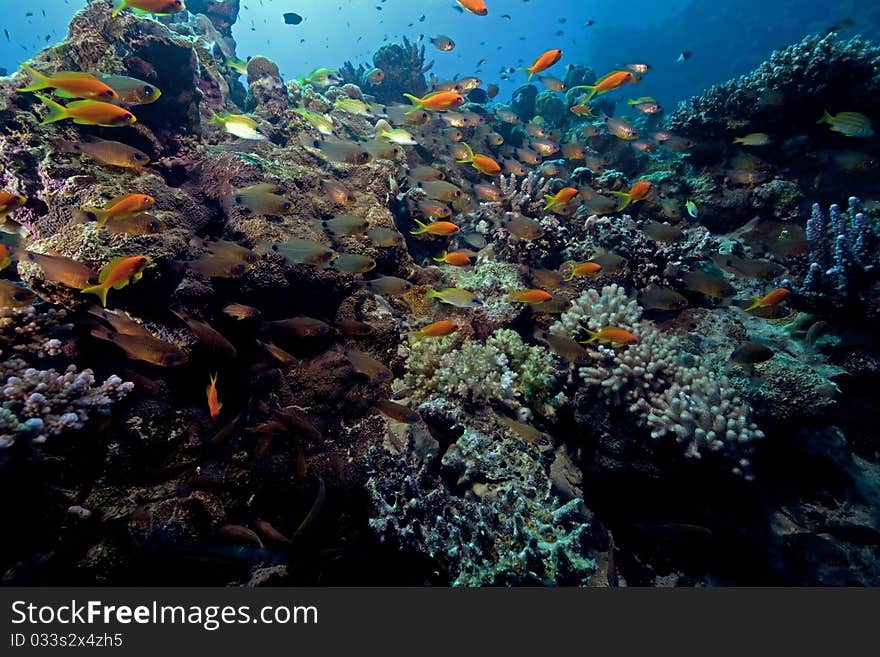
pixel 677 394
pixel 488 516
pixel 844 255
pixel 42 403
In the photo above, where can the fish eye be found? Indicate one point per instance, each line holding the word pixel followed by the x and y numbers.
pixel 138 156
pixel 154 226
pixel 107 94
pixel 286 205
pixel 275 247
pixel 147 91
pixel 19 296
pixel 237 200
pixel 127 116
pixel 328 255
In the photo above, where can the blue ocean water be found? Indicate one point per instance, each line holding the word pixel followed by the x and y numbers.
pixel 726 37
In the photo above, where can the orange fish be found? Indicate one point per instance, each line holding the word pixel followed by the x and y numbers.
pixel 544 62
pixel 214 404
pixel 121 207
pixel 562 197
pixel 616 336
pixel 482 163
pixel 530 296
pixel 477 7
pixel 437 329
pixel 584 269
pixel 776 296
pixel 70 84
pixel 636 193
pixel 456 258
pixel 117 273
pixel 437 101
pixel 436 228
pixel 87 112
pixel 606 83
pixel 6 257
pixel 10 201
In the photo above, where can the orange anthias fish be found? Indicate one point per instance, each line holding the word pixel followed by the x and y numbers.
pixel 10 201
pixel 530 296
pixel 562 197
pixel 437 101
pixel 436 228
pixel 636 193
pixel 607 83
pixel 618 337
pixel 116 274
pixel 121 207
pixel 214 404
pixel 70 84
pixel 87 112
pixel 437 329
pixel 482 163
pixel 477 7
pixel 544 62
pixel 584 269
pixel 456 258
pixel 776 296
pixel 159 7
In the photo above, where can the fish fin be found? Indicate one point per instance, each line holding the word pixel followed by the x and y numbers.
pixel 65 94
pixel 100 291
pixel 38 82
pixel 138 276
pixel 623 195
pixel 416 102
pixel 96 214
pixel 470 155
pixel 102 333
pixel 422 228
pixel 756 303
pixel 56 112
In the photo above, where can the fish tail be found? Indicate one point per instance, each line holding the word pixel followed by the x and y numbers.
pixel 38 81
pixel 442 257
pixel 416 102
pixel 626 196
pixel 826 118
pixel 99 290
pixel 551 201
pixel 586 99
pixel 593 337
pixel 470 155
pixel 756 303
pixel 422 228
pixel 121 4
pixel 216 119
pixel 96 214
pixel 433 294
pixel 415 336
pixel 56 112
pixel 531 75
pixel 740 140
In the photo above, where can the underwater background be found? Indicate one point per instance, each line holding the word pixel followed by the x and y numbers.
pixel 395 293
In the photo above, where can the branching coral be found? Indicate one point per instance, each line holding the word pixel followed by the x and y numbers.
pixel 508 531
pixel 844 252
pixel 39 403
pixel 674 393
